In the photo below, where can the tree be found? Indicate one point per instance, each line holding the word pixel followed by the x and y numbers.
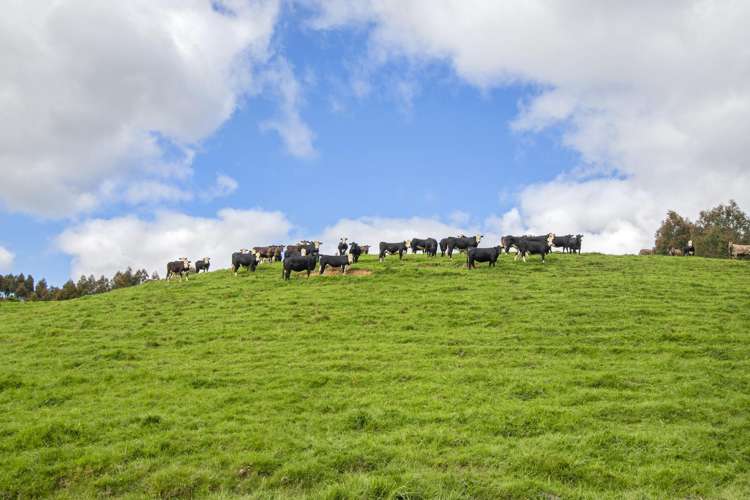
pixel 716 227
pixel 41 292
pixel 675 231
pixel 69 291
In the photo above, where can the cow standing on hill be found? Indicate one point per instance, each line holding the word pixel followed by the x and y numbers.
pixel 533 246
pixel 299 263
pixel 689 249
pixel 393 248
pixel 428 246
pixel 462 243
pixel 355 251
pixel 202 264
pixel 341 261
pixel 244 258
pixel 476 254
pixel 343 247
pixel 179 267
pixel 736 250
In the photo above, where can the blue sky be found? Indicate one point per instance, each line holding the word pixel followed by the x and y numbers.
pixel 404 127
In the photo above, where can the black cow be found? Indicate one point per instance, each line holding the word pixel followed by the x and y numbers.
pixel 392 248
pixel 202 264
pixel 336 261
pixel 509 241
pixel 476 254
pixel 428 246
pixel 563 241
pixel 343 247
pixel 575 243
pixel 243 258
pixel 689 249
pixel 462 243
pixel 179 267
pixel 444 245
pixel 355 251
pixel 299 263
pixel 533 246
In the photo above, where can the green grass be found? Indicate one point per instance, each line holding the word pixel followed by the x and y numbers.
pixel 588 377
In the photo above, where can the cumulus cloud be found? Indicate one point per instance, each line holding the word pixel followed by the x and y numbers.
pixel 95 95
pixel 104 246
pixel 6 259
pixel 296 134
pixel 654 96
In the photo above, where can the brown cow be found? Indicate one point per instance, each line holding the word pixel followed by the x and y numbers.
pixel 647 251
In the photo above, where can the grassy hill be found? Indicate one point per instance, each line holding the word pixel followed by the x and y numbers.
pixel 591 376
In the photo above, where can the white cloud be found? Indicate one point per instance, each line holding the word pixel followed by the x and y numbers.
pixel 97 94
pixel 6 259
pixel 297 136
pixel 224 186
pixel 104 246
pixel 657 92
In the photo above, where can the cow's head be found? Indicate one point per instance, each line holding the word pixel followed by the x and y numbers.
pixel 407 243
pixel 303 252
pixel 478 237
pixel 244 250
pixel 550 239
pixel 350 258
pixel 257 255
pixel 206 260
pixel 690 243
pixel 316 244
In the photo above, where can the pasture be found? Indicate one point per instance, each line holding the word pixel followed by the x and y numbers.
pixel 588 377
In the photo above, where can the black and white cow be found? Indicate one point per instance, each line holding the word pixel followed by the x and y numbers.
pixel 341 261
pixel 355 251
pixel 689 249
pixel 392 248
pixel 476 254
pixel 202 264
pixel 299 263
pixel 428 246
pixel 533 246
pixel 179 267
pixel 462 243
pixel 343 247
pixel 244 258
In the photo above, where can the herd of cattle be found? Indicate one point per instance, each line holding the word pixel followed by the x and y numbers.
pixel 305 256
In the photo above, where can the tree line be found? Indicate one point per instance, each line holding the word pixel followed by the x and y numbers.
pixel 710 233
pixel 24 287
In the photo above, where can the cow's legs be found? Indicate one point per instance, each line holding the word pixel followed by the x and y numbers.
pixel 322 268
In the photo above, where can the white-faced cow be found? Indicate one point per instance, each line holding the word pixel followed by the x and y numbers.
pixel 179 267
pixel 394 248
pixel 299 263
pixel 689 249
pixel 244 258
pixel 341 261
pixel 202 264
pixel 343 246
pixel 476 254
pixel 462 243
pixel 533 246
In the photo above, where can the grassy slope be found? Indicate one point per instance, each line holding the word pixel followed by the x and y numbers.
pixel 591 376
